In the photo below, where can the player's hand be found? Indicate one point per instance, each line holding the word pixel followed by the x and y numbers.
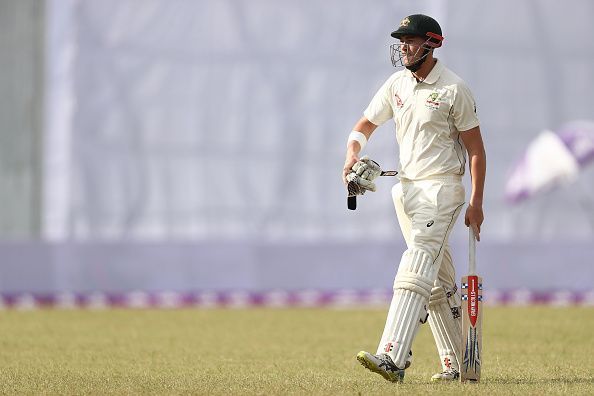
pixel 351 159
pixel 356 185
pixel 362 175
pixel 474 218
pixel 367 169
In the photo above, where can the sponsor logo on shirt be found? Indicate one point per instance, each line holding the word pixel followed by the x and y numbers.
pixel 399 103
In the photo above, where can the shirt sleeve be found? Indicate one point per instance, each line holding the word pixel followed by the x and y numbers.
pixel 465 117
pixel 380 110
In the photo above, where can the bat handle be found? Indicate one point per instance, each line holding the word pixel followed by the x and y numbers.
pixel 471 251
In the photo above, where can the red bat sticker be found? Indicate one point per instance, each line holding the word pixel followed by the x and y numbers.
pixel 473 291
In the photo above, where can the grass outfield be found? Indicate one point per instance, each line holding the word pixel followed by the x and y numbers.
pixel 532 350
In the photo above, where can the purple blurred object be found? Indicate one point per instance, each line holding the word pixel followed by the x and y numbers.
pixel 551 160
pixel 578 137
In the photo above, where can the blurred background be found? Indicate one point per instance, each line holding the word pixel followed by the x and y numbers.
pixel 173 152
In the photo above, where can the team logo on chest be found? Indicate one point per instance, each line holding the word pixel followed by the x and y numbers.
pixel 433 101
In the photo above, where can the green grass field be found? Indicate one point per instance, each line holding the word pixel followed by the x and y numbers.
pixel 532 350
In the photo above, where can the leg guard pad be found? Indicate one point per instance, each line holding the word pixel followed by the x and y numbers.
pixel 412 289
pixel 446 325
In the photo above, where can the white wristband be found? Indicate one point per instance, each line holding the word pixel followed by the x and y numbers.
pixel 358 137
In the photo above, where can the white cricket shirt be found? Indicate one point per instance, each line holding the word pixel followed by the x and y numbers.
pixel 429 117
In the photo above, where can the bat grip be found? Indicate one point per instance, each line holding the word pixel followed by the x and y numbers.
pixel 471 251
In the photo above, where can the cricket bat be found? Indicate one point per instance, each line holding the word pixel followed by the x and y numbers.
pixel 472 317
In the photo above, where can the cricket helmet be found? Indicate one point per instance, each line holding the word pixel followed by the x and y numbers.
pixel 422 26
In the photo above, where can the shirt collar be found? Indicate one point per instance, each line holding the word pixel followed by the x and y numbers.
pixel 433 75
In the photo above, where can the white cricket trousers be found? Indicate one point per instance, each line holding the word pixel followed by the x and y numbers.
pixel 425 286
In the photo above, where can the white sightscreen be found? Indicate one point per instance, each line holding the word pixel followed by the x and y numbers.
pixel 171 119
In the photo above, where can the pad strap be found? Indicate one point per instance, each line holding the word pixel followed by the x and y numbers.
pixel 413 282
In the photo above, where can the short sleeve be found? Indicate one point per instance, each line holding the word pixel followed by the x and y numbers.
pixel 380 110
pixel 464 113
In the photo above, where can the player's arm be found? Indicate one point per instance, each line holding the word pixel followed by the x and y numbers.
pixel 478 168
pixel 356 143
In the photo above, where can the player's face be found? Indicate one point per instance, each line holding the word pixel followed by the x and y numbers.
pixel 411 49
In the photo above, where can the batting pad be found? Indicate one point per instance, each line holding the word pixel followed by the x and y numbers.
pixel 446 325
pixel 408 309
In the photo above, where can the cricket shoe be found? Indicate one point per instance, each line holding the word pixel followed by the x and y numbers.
pixel 381 364
pixel 447 375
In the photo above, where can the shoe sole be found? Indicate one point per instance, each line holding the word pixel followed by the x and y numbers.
pixel 371 366
pixel 445 379
pixel 441 380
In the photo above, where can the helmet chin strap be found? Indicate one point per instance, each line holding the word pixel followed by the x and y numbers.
pixel 417 65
